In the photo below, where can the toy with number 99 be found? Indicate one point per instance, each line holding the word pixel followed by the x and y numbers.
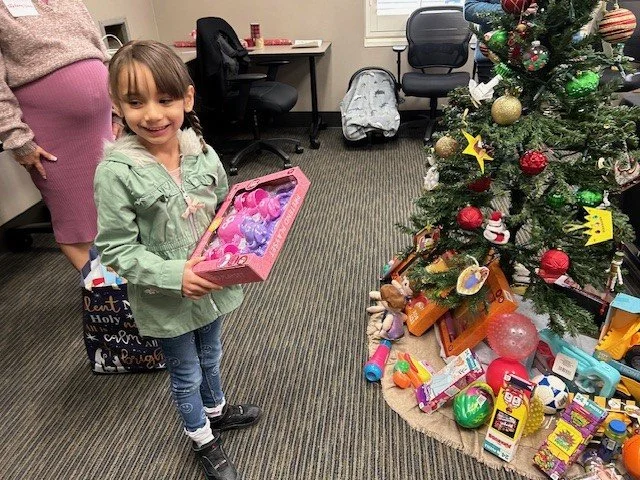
pixel 512 335
pixel 552 392
pixel 473 406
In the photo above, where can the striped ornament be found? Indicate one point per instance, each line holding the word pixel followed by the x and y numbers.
pixel 617 26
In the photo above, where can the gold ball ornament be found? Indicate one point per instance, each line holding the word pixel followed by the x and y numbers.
pixel 506 110
pixel 446 146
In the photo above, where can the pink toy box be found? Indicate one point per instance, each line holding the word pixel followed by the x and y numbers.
pixel 449 381
pixel 246 236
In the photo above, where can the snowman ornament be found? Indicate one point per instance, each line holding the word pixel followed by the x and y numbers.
pixel 495 231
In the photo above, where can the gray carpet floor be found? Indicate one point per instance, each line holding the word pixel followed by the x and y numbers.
pixel 296 347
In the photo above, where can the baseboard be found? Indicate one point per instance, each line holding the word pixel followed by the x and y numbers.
pixel 334 119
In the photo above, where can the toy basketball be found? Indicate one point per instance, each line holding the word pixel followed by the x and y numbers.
pixel 512 335
pixel 473 406
pixel 499 367
pixel 631 456
pixel 552 392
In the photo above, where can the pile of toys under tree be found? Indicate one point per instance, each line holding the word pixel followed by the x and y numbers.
pixel 520 206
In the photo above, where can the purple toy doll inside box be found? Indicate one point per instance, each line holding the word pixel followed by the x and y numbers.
pixel 248 232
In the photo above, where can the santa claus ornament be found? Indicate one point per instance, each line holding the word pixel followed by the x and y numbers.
pixel 533 162
pixel 470 218
pixel 495 231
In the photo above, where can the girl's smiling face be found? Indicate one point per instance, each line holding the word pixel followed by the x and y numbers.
pixel 154 116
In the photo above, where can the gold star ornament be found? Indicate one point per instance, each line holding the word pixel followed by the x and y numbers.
pixel 476 149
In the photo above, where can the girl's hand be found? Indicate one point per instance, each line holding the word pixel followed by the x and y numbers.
pixel 532 10
pixel 194 286
pixel 32 160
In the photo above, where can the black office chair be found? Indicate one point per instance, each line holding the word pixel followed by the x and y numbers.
pixel 438 38
pixel 224 90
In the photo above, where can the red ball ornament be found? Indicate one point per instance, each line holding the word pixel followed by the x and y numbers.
pixel 515 7
pixel 553 264
pixel 470 218
pixel 533 162
pixel 480 185
pixel 617 25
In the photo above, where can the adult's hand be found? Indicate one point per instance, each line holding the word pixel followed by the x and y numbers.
pixel 532 10
pixel 32 160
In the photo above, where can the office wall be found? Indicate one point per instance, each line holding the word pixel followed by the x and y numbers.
pixel 342 22
pixel 139 15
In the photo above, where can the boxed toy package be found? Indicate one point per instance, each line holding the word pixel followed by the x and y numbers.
pixel 245 237
pixel 577 424
pixel 451 379
pixel 509 417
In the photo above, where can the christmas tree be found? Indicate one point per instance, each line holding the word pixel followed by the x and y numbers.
pixel 528 174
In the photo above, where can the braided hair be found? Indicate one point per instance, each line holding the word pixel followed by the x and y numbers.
pixel 169 73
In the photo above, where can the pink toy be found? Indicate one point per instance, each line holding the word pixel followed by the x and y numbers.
pixel 374 368
pixel 512 335
pixel 501 366
pixel 244 239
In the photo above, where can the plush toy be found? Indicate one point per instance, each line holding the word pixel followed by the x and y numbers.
pixel 388 317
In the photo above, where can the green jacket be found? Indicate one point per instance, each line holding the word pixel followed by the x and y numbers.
pixel 144 238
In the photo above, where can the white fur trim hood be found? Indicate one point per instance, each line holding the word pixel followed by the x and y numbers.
pixel 129 147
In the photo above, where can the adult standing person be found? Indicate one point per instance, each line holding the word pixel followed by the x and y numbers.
pixel 479 12
pixel 55 111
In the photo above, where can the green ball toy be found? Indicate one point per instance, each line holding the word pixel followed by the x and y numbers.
pixel 584 83
pixel 473 406
pixel 588 198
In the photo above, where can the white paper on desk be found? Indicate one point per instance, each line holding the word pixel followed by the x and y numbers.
pixel 21 8
pixel 306 44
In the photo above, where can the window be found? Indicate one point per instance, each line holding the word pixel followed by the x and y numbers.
pixel 386 19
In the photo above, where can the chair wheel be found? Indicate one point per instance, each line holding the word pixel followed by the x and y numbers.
pixel 287 165
pixel 299 149
pixel 233 170
pixel 19 242
pixel 314 143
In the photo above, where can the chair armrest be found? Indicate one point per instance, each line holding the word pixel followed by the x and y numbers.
pixel 399 49
pixel 248 77
pixel 273 66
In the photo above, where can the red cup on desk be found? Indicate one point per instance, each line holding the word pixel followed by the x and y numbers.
pixel 254 28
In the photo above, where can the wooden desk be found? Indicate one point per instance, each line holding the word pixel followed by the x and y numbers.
pixel 285 52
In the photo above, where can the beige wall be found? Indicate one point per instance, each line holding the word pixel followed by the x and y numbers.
pixel 340 21
pixel 139 15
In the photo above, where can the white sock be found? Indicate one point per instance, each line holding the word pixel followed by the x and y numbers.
pixel 201 436
pixel 213 412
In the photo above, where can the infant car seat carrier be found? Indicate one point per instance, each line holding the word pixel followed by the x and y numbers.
pixel 370 106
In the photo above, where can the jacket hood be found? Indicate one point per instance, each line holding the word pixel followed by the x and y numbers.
pixel 128 150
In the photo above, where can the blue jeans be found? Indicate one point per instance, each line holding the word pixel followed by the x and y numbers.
pixel 193 362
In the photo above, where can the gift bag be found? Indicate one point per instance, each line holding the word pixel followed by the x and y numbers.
pixel 111 337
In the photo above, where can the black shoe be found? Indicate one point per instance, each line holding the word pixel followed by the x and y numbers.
pixel 236 416
pixel 214 460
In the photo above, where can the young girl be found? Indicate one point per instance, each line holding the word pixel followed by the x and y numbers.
pixel 156 191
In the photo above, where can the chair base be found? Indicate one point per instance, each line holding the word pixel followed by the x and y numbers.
pixel 268 145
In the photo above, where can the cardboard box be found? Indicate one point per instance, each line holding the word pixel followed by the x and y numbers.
pixel 509 417
pixel 449 381
pixel 243 266
pixel 422 313
pixel 466 327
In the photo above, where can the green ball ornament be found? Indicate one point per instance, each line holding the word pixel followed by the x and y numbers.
pixel 588 198
pixel 498 40
pixel 473 406
pixel 583 84
pixel 556 200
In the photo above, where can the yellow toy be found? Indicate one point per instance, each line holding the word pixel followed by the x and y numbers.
pixel 621 330
pixel 535 418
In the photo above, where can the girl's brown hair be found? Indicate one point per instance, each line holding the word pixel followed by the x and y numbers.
pixel 168 71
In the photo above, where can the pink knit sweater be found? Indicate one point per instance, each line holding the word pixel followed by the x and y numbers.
pixel 32 47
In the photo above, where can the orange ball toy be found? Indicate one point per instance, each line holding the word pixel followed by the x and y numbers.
pixel 631 456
